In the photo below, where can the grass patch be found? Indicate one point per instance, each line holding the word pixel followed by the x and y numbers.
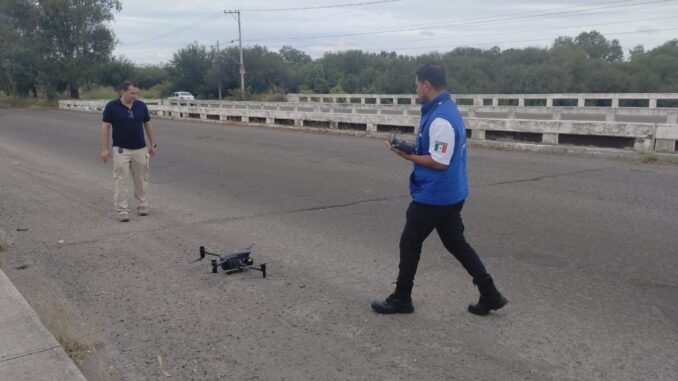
pixel 646 158
pixel 4 245
pixel 27 102
pixel 77 340
pixel 98 92
pixel 270 97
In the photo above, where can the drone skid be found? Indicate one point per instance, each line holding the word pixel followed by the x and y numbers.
pixel 229 270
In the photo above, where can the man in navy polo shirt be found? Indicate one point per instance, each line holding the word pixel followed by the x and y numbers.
pixel 438 187
pixel 129 118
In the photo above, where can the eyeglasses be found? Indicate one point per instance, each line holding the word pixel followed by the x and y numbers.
pixel 130 114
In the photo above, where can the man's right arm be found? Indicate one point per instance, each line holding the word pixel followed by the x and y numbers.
pixel 105 133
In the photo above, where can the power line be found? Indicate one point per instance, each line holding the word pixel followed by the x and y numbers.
pixel 321 6
pixel 195 24
pixel 534 30
pixel 532 40
pixel 207 18
pixel 481 21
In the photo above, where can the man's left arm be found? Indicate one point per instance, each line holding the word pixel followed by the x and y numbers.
pixel 424 160
pixel 152 148
pixel 441 146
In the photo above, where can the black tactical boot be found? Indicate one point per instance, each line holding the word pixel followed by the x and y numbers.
pixel 490 298
pixel 394 304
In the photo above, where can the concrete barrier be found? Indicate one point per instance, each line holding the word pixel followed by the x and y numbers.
pixel 643 129
pixel 28 352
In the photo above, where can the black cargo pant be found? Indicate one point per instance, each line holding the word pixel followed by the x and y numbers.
pixel 421 220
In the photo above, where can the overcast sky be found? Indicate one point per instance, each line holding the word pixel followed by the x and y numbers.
pixel 150 31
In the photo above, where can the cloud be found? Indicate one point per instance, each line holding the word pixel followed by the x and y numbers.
pixel 151 30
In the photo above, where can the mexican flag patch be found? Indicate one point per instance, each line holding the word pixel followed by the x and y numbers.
pixel 440 147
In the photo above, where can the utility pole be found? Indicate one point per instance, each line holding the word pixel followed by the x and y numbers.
pixel 219 68
pixel 242 64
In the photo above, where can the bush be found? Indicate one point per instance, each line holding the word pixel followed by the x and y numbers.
pixel 99 92
pixel 161 90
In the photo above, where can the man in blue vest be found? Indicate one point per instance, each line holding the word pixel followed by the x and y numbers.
pixel 438 186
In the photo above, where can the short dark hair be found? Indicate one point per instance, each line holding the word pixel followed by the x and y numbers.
pixel 126 85
pixel 434 74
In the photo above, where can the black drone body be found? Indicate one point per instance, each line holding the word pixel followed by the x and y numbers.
pixel 238 260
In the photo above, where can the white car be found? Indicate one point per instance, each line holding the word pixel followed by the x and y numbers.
pixel 181 96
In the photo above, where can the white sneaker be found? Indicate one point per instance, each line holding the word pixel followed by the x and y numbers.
pixel 123 216
pixel 143 211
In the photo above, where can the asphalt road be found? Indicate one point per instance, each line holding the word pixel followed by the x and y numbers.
pixel 585 249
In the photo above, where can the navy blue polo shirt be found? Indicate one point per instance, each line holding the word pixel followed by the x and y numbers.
pixel 128 123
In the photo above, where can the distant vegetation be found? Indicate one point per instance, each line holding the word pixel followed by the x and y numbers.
pixel 42 56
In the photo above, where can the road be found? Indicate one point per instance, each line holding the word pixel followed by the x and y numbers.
pixel 585 249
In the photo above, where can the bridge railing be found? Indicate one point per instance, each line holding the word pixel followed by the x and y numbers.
pixel 612 100
pixel 640 129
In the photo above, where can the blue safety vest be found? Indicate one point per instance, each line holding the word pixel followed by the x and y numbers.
pixel 431 186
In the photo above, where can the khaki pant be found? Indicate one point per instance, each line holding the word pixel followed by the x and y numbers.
pixel 133 162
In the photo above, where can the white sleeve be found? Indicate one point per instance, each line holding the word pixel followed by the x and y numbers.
pixel 441 141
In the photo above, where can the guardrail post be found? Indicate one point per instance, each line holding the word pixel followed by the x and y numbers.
pixel 549 138
pixel 609 115
pixel 644 144
pixel 664 145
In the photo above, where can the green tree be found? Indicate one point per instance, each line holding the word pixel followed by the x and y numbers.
pixel 75 38
pixel 190 67
pixel 114 72
pixel 597 47
pixel 150 75
pixel 265 70
pixel 292 56
pixel 655 70
pixel 20 56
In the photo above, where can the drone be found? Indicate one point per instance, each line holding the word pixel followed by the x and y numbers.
pixel 234 261
pixel 401 145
